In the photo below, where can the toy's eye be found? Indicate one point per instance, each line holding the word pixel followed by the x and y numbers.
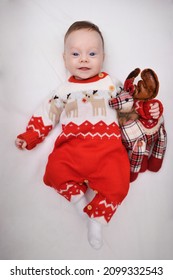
pixel 127 99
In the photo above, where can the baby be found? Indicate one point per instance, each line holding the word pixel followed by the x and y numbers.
pixel 88 154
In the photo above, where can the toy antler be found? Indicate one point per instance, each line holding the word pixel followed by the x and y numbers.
pixel 128 85
pixel 147 88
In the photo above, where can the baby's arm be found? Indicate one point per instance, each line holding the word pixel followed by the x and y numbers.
pixel 41 123
pixel 20 144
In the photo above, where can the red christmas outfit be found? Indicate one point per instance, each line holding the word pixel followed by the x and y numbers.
pixel 89 148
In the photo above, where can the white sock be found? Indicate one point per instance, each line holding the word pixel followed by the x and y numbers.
pixel 95 234
pixel 80 201
pixel 80 205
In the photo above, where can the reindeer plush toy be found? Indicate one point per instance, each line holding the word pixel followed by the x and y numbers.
pixel 143 137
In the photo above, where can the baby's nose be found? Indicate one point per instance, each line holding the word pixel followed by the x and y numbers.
pixel 84 58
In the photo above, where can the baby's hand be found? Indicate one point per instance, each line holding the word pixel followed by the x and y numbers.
pixel 20 144
pixel 155 110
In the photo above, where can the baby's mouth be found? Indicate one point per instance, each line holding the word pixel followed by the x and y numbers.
pixel 84 68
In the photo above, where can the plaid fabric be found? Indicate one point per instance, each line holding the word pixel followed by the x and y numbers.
pixel 112 103
pixel 160 145
pixel 138 143
pixel 137 154
pixel 131 132
pixel 144 136
pixel 124 100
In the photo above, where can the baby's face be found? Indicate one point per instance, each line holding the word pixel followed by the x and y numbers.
pixel 83 53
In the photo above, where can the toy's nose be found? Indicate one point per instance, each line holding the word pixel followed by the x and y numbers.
pixel 114 103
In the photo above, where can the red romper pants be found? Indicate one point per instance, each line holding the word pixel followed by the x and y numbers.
pixel 102 161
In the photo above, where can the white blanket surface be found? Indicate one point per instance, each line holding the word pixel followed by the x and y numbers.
pixel 35 222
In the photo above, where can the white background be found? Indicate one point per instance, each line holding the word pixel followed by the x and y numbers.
pixel 35 222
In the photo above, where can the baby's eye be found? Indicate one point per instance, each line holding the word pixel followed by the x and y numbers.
pixel 92 54
pixel 75 54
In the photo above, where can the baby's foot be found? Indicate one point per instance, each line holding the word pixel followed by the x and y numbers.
pixel 95 234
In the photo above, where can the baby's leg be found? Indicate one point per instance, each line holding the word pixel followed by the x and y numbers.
pixel 100 211
pixel 79 194
pixel 81 202
pixel 72 191
pixel 75 193
pixel 95 237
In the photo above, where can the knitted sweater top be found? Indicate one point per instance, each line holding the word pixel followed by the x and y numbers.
pixel 80 107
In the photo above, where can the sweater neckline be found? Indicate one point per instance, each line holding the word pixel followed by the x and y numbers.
pixel 96 78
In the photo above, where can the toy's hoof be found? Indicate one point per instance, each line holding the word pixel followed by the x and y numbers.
pixel 144 164
pixel 133 176
pixel 154 164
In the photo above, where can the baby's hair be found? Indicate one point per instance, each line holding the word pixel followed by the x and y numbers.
pixel 77 25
